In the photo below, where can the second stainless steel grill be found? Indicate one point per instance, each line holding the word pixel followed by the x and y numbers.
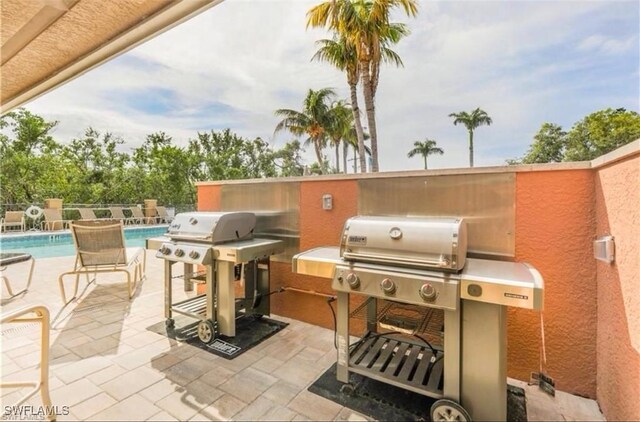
pixel 435 319
pixel 222 245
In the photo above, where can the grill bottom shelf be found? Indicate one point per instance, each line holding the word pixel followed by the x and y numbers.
pixel 195 307
pixel 400 363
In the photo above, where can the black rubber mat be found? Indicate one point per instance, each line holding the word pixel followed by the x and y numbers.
pixel 385 402
pixel 249 333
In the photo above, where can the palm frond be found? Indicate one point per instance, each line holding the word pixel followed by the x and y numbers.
pixel 390 56
pixel 319 16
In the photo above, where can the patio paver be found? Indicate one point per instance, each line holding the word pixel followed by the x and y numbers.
pixel 105 365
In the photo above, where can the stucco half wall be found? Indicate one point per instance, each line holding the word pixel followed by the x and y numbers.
pixel 617 191
pixel 554 231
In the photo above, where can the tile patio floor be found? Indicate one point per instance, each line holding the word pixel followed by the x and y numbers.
pixel 105 365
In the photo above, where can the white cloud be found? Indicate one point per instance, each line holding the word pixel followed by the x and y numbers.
pixel 608 45
pixel 523 62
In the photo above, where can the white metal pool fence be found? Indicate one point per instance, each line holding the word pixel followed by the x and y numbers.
pixel 70 211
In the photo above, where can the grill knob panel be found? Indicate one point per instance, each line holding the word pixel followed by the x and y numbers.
pixel 388 286
pixel 428 292
pixel 165 251
pixel 194 255
pixel 353 280
pixel 179 252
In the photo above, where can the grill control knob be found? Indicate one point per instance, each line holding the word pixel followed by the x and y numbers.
pixel 388 286
pixel 427 292
pixel 194 255
pixel 165 251
pixel 179 252
pixel 353 280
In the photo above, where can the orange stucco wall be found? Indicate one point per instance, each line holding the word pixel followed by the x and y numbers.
pixel 617 189
pixel 318 227
pixel 555 224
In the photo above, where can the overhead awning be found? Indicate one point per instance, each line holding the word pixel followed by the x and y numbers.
pixel 46 43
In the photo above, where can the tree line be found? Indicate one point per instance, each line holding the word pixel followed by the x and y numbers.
pixel 94 169
pixel 592 136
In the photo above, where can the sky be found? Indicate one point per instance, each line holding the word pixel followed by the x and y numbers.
pixel 523 62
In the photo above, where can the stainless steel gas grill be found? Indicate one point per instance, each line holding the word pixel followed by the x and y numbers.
pixel 436 321
pixel 223 246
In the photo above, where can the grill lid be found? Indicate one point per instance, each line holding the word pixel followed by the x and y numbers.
pixel 212 227
pixel 417 242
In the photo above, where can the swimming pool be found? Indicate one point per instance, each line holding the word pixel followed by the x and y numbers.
pixel 49 245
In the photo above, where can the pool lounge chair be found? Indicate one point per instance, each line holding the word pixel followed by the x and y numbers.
pixel 138 216
pixel 28 315
pixel 100 248
pixel 117 213
pixel 162 215
pixel 12 219
pixel 88 214
pixel 10 258
pixel 53 220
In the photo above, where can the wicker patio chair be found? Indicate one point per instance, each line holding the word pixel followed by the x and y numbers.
pixel 29 315
pixel 117 213
pixel 52 219
pixel 162 215
pixel 139 217
pixel 12 219
pixel 100 248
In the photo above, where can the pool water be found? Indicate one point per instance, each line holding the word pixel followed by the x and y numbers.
pixel 49 245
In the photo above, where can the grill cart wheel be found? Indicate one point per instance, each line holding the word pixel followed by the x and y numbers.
pixel 448 410
pixel 348 389
pixel 206 331
pixel 170 323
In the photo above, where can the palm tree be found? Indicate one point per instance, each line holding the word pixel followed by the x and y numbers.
pixel 350 140
pixel 425 148
pixel 365 25
pixel 342 55
pixel 340 123
pixel 471 121
pixel 312 121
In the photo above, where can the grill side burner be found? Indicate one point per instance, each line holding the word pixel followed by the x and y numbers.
pixel 403 266
pixel 220 242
